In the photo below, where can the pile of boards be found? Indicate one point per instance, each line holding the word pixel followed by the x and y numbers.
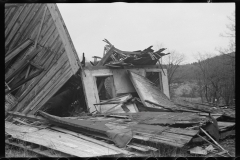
pixel 116 58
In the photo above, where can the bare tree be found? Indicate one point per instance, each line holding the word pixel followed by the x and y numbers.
pixel 173 62
pixel 230 33
pixel 214 79
pixel 229 54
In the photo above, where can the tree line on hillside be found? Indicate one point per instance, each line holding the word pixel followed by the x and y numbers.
pixel 215 76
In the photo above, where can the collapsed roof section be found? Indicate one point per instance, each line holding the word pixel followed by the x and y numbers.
pixel 39 54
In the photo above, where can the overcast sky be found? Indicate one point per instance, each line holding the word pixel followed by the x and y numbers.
pixel 185 28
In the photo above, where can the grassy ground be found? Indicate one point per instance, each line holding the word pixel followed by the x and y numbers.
pixel 163 151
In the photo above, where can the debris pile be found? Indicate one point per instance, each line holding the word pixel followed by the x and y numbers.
pixel 128 104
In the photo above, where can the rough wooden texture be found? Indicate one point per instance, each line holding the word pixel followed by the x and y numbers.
pixel 16 50
pixel 148 91
pixel 58 141
pixel 41 23
pixel 92 140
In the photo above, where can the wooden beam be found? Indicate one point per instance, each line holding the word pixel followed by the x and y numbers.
pixel 152 67
pixel 64 37
pixel 11 54
pixel 107 55
pixel 31 117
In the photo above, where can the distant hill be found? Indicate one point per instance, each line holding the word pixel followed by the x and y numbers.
pixel 188 72
pixel 185 82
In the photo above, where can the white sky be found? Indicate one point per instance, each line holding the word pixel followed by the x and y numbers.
pixel 186 28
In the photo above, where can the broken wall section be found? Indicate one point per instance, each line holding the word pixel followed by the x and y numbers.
pixel 121 82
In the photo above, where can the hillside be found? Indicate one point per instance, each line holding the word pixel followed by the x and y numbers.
pixel 186 79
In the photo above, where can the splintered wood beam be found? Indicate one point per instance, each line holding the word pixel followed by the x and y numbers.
pixel 11 54
pixel 107 55
pixel 40 28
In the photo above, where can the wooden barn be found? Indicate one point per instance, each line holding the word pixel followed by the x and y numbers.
pixel 39 55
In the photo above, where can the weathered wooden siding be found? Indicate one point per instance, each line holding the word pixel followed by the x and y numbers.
pixel 36 37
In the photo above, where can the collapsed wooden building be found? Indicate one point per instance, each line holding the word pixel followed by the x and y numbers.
pixel 39 55
pixel 107 107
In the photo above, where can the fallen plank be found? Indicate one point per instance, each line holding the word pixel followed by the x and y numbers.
pixel 30 117
pixel 92 140
pixel 58 141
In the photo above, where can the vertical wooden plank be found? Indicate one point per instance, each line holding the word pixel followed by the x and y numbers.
pixel 64 37
pixel 90 89
pixel 165 83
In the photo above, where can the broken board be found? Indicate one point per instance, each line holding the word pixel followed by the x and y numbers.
pixel 148 91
